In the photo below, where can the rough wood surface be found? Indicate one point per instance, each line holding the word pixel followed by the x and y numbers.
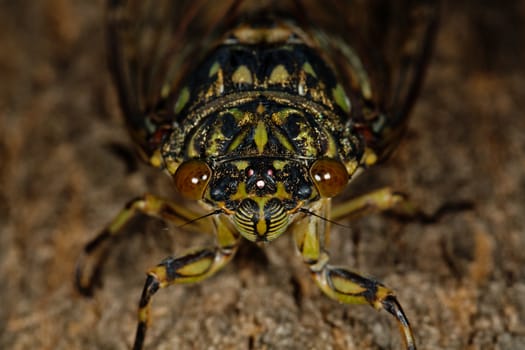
pixel 65 171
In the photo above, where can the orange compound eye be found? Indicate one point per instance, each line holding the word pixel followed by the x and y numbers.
pixel 330 177
pixel 191 178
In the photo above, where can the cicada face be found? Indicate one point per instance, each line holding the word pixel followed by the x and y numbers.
pixel 262 129
pixel 260 165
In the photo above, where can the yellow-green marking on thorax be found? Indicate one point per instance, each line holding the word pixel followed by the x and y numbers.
pixel 340 98
pixel 279 75
pixel 260 136
pixel 242 75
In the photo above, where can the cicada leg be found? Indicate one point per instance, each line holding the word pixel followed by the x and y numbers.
pixel 189 268
pixel 95 252
pixel 340 283
pixel 385 199
pixel 373 202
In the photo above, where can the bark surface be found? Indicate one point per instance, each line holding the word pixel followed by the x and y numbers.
pixel 67 167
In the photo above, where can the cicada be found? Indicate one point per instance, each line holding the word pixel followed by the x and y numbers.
pixel 262 112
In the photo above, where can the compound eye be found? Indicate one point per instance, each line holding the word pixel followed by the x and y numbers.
pixel 330 177
pixel 191 178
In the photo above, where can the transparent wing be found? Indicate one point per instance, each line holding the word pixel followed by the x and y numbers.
pixel 381 49
pixel 151 46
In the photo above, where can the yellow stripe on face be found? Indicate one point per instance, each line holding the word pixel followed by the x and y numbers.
pixel 279 164
pixel 261 225
pixel 241 164
pixel 241 192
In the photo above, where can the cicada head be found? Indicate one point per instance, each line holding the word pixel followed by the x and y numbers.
pixel 260 163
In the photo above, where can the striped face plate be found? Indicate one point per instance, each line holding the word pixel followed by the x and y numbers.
pixel 258 174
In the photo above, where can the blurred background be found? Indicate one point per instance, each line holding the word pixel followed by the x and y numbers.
pixel 67 167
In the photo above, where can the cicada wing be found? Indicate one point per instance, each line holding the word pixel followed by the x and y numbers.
pixel 406 32
pixel 151 46
pixel 380 49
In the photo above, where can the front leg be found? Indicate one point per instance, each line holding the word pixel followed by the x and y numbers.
pixel 387 200
pixel 340 283
pixel 348 287
pixel 373 202
pixel 190 268
pixel 90 263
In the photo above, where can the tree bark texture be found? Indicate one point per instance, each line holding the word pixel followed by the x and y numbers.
pixel 67 167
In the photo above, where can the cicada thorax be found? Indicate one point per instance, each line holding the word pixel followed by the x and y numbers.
pixel 267 116
pixel 176 62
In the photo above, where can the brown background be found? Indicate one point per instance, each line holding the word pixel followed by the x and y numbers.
pixel 64 172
